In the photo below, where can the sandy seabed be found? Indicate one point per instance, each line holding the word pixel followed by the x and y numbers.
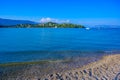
pixel 107 68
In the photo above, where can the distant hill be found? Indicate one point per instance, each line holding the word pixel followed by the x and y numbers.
pixel 9 22
pixel 49 25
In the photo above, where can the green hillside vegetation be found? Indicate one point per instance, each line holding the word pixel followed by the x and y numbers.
pixel 49 25
pixel 45 25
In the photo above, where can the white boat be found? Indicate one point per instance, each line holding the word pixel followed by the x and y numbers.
pixel 87 28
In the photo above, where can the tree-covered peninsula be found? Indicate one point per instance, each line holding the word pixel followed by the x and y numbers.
pixel 49 25
pixel 44 25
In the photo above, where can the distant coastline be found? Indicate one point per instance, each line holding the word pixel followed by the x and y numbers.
pixel 44 25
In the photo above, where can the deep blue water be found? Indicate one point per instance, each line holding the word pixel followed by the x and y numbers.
pixel 18 45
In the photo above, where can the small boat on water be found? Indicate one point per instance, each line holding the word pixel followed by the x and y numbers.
pixel 87 28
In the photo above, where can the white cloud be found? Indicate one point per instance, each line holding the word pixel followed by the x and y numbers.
pixel 44 20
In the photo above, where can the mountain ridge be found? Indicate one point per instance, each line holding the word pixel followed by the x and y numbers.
pixel 9 22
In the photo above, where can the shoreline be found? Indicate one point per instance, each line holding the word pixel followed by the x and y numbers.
pixel 106 68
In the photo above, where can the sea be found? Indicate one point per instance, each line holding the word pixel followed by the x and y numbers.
pixel 35 44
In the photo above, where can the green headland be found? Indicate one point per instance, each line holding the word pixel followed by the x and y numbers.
pixel 45 25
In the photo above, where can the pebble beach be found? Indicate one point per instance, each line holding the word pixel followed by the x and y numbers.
pixel 106 68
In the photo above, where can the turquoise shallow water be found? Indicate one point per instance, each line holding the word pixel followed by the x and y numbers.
pixel 19 45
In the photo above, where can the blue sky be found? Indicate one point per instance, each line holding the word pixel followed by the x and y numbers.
pixel 77 11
